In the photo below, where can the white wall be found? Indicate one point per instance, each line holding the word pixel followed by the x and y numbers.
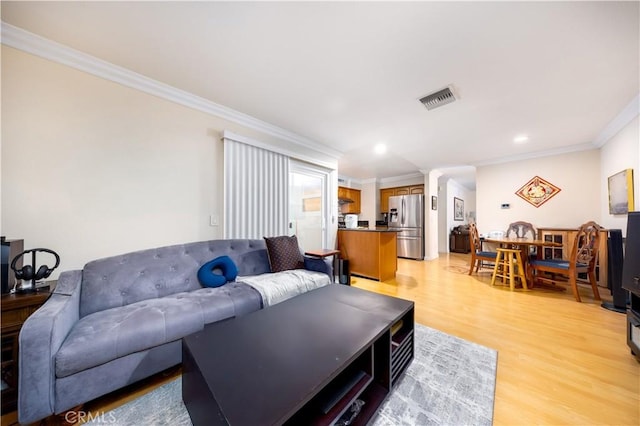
pixel 415 179
pixel 577 174
pixel 621 152
pixel 369 202
pixel 443 227
pixel 91 168
pixel 349 182
pixel 448 189
pixel 431 230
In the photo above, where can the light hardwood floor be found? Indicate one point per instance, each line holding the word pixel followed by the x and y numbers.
pixel 560 362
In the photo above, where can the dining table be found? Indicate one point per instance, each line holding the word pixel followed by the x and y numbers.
pixel 523 244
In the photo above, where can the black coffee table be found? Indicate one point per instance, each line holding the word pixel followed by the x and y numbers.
pixel 303 361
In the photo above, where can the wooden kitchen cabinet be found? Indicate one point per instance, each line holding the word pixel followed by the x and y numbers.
pixel 371 253
pixel 351 194
pixel 384 198
pixel 342 192
pixel 385 193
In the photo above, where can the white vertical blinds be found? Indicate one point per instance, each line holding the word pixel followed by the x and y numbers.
pixel 256 191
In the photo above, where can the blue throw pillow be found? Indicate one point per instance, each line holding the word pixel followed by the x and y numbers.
pixel 227 272
pixel 317 265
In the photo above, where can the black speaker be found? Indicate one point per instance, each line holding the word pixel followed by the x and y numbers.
pixel 344 276
pixel 10 249
pixel 614 274
pixel 631 270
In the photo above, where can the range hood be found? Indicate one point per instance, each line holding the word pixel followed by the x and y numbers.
pixel 345 201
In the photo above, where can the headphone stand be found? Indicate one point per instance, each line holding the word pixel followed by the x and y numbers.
pixel 31 272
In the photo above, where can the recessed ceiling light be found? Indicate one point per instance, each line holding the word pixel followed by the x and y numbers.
pixel 521 139
pixel 380 148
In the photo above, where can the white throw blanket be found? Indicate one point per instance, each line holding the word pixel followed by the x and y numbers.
pixel 280 286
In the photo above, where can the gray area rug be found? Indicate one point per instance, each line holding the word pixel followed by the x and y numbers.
pixel 449 382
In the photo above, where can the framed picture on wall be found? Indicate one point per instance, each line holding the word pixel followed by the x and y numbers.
pixel 458 209
pixel 434 202
pixel 621 192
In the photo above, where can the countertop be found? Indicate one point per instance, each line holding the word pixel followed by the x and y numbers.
pixel 360 229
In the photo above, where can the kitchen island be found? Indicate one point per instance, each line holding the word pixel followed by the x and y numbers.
pixel 372 253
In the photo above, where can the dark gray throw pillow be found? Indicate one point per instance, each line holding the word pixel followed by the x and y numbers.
pixel 284 253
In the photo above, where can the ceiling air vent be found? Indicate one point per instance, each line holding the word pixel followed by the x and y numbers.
pixel 439 98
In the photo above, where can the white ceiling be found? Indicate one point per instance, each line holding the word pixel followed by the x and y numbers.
pixel 349 75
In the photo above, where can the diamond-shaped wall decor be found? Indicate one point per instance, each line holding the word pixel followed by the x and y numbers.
pixel 537 191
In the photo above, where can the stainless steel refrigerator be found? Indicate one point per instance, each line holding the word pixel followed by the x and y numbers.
pixel 406 216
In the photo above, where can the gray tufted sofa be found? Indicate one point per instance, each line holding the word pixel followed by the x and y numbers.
pixel 121 319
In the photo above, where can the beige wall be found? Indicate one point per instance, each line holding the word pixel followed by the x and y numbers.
pixel 402 181
pixel 448 189
pixel 91 168
pixel 621 152
pixel 369 202
pixel 576 174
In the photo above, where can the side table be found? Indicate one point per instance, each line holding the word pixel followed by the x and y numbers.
pixel 16 308
pixel 322 253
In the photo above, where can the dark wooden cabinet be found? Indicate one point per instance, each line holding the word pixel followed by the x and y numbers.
pixel 459 241
pixel 16 308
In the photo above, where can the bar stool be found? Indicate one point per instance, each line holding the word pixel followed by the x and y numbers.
pixel 509 266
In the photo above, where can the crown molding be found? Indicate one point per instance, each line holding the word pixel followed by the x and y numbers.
pixel 403 177
pixel 368 181
pixel 288 153
pixel 631 111
pixel 539 154
pixel 36 45
pixel 348 179
pixel 365 181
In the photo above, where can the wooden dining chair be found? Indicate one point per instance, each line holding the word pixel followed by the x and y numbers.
pixel 584 254
pixel 521 230
pixel 477 254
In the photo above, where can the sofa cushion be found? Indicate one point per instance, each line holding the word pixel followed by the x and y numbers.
pixel 217 272
pixel 284 253
pixel 106 335
pixel 230 300
pixel 148 274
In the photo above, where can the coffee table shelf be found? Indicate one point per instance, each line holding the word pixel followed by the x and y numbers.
pixel 401 350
